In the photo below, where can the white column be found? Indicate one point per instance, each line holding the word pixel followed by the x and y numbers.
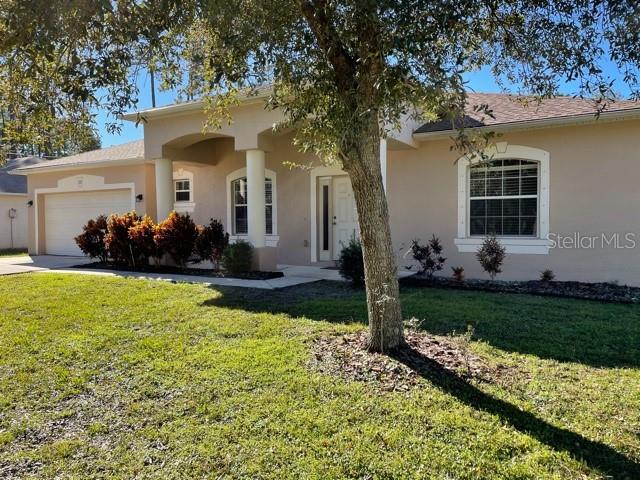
pixel 164 188
pixel 255 193
pixel 383 161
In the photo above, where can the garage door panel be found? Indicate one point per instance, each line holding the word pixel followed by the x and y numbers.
pixel 67 213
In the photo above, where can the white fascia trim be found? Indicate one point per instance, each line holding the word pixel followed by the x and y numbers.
pixel 313 202
pixel 78 166
pixel 184 207
pixel 582 119
pixel 500 151
pixel 531 246
pixel 109 186
pixel 188 107
pixel 2 194
pixel 270 240
pixel 242 172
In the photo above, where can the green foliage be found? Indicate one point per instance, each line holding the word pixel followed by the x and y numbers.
pixel 176 236
pixel 211 242
pixel 331 64
pixel 491 256
pixel 237 257
pixel 351 262
pixel 91 240
pixel 547 275
pixel 428 256
pixel 117 241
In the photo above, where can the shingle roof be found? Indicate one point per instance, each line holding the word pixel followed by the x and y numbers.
pixel 509 109
pixel 15 183
pixel 126 151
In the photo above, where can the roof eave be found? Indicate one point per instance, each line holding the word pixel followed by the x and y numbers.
pixel 187 107
pixel 77 166
pixel 584 118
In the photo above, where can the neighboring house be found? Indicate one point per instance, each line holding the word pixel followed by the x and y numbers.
pixel 13 204
pixel 557 171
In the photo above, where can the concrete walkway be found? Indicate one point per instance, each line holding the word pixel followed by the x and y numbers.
pixel 293 274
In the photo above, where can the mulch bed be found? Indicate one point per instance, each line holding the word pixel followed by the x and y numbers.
pixel 165 269
pixel 347 357
pixel 603 292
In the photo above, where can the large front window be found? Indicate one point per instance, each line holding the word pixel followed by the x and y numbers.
pixel 240 200
pixel 503 198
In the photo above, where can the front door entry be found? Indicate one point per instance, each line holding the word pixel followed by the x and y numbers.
pixel 345 216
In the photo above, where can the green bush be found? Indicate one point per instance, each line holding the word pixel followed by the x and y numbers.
pixel 211 242
pixel 91 240
pixel 237 257
pixel 351 263
pixel 176 236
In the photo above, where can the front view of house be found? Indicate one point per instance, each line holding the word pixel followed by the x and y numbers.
pixel 561 191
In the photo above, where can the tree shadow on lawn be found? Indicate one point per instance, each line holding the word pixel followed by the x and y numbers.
pixel 594 454
pixel 587 332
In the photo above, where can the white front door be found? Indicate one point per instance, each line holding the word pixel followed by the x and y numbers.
pixel 345 216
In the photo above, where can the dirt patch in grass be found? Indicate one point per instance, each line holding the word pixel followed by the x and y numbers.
pixel 347 357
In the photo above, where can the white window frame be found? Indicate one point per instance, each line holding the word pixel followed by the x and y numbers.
pixel 516 245
pixel 183 206
pixel 271 240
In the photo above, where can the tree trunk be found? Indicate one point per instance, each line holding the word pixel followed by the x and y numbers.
pixel 386 331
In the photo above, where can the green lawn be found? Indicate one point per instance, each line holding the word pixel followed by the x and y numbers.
pixel 123 378
pixel 12 252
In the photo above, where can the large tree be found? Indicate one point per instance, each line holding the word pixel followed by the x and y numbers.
pixel 343 72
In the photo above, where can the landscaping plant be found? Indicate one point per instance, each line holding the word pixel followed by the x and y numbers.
pixel 547 275
pixel 350 262
pixel 237 257
pixel 428 256
pixel 117 241
pixel 491 256
pixel 458 274
pixel 211 242
pixel 142 239
pixel 91 240
pixel 176 236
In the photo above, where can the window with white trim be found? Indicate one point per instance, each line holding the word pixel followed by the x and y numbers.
pixel 503 198
pixel 239 212
pixel 182 189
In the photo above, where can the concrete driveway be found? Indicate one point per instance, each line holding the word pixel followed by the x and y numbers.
pixel 37 263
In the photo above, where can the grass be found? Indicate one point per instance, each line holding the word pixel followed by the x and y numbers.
pixel 13 252
pixel 123 378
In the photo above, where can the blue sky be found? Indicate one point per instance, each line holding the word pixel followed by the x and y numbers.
pixel 481 81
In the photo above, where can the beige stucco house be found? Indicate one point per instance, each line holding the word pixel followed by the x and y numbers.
pixel 562 191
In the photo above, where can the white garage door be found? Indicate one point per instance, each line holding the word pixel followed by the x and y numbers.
pixel 66 213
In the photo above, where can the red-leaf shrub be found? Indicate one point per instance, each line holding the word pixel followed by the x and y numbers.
pixel 142 235
pixel 429 256
pixel 91 240
pixel 117 241
pixel 491 256
pixel 211 242
pixel 177 236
